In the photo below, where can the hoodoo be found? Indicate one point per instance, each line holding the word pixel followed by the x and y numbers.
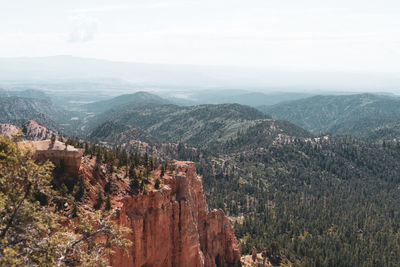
pixel 172 226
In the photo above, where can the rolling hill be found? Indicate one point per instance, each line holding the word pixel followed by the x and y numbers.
pixel 362 115
pixel 243 97
pixel 28 93
pixel 18 110
pixel 115 133
pixel 196 125
pixel 139 98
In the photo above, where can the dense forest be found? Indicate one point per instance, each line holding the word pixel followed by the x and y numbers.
pixel 369 116
pixel 328 201
pixel 332 202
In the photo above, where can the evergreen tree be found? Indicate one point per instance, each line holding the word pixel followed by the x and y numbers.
pixel 108 203
pixel 99 198
pixel 157 184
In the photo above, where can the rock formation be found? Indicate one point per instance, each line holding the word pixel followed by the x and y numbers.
pixel 172 226
pixel 36 131
pixel 32 130
pixel 61 155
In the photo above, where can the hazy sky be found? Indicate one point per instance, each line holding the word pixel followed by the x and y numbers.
pixel 341 35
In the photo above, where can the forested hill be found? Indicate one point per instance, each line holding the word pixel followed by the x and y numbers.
pixel 312 201
pixel 139 98
pixel 28 93
pixel 18 110
pixel 362 115
pixel 115 133
pixel 196 125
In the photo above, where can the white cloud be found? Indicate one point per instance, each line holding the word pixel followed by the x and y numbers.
pixel 84 29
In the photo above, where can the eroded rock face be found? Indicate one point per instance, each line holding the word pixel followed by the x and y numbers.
pixel 31 130
pixel 60 154
pixel 9 130
pixel 36 131
pixel 173 226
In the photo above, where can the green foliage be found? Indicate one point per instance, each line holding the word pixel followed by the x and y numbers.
pixel 79 189
pixel 99 198
pixel 35 234
pixel 162 171
pixel 18 110
pixel 108 203
pixel 323 203
pixel 157 184
pixel 107 186
pixel 117 133
pixel 136 99
pixel 197 125
pixel 134 186
pixel 311 201
pixel 83 247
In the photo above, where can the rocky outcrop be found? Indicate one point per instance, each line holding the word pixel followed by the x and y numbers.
pixel 172 226
pixel 31 130
pixel 36 131
pixel 66 157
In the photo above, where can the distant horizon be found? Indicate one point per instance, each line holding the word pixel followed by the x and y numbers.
pixel 122 75
pixel 349 36
pixel 256 67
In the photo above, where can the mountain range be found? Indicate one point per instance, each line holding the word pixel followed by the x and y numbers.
pixel 362 115
pixel 70 68
pixel 198 125
pixel 139 98
pixel 368 116
pixel 18 110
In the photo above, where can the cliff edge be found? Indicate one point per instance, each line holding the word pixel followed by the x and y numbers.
pixel 172 226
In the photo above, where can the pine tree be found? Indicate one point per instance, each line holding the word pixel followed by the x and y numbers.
pixel 162 171
pixel 132 172
pixel 108 203
pixel 157 184
pixel 99 198
pixel 134 186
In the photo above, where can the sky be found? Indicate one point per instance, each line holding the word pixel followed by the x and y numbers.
pixel 351 35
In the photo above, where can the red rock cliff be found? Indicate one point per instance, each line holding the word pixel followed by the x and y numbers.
pixel 173 226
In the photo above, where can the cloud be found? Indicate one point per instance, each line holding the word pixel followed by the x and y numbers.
pixel 84 29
